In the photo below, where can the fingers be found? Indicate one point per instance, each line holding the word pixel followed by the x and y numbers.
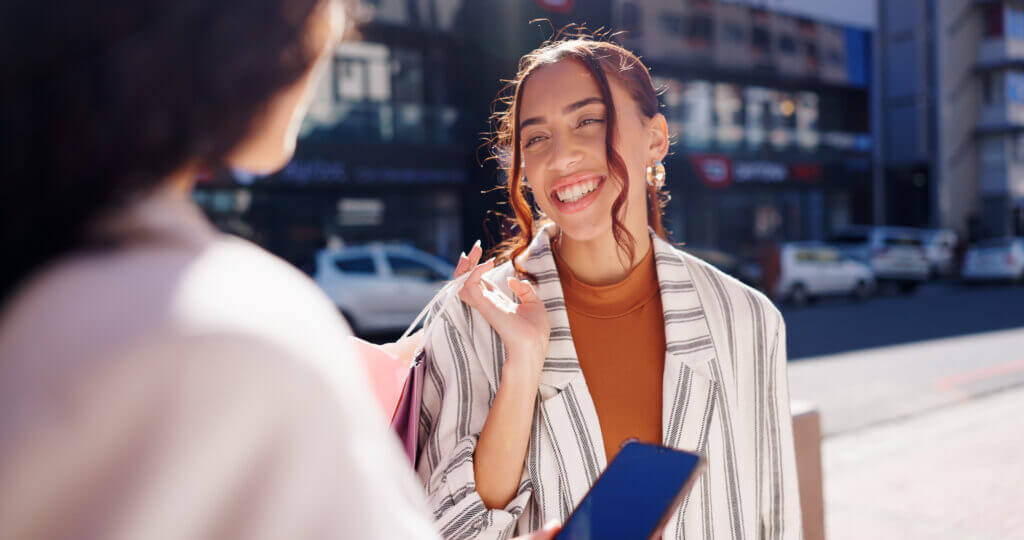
pixel 523 290
pixel 467 262
pixel 472 289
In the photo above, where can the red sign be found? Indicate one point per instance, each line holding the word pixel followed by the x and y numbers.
pixel 556 6
pixel 714 170
pixel 719 171
pixel 806 172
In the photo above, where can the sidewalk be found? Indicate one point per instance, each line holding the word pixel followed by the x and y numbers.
pixel 954 473
pixel 864 388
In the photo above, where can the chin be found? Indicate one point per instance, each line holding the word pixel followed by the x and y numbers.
pixel 585 231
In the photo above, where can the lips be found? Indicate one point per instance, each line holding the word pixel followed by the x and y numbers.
pixel 572 194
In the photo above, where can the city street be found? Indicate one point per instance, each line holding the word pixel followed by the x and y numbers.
pixel 922 434
pixel 897 356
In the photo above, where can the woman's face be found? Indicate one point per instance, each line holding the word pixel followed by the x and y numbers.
pixel 562 139
pixel 271 143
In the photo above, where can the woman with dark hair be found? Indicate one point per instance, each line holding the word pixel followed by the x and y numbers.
pixel 159 379
pixel 615 333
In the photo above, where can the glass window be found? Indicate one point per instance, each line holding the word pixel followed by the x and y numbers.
pixel 993 20
pixel 828 256
pixel 833 56
pixel 734 33
pixel 761 39
pixel 812 51
pixel 672 24
pixel 356 265
pixel 411 268
pixel 787 44
pixel 631 19
pixel 699 28
pixel 805 256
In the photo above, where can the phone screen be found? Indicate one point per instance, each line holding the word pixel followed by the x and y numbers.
pixel 633 494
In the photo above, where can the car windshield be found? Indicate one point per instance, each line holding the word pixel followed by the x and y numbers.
pixel 849 238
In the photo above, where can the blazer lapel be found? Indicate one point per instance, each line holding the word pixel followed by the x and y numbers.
pixel 569 446
pixel 689 387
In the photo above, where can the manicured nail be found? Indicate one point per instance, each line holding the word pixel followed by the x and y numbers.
pixel 462 255
pixel 477 243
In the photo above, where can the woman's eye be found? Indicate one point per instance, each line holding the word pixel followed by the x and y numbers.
pixel 532 140
pixel 589 121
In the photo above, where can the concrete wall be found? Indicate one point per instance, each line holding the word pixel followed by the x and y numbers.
pixel 959 30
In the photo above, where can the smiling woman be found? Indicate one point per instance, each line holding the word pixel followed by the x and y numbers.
pixel 616 334
pixel 603 124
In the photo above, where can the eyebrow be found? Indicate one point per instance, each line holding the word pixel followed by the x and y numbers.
pixel 568 109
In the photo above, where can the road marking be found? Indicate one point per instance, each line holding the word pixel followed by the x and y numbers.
pixel 951 383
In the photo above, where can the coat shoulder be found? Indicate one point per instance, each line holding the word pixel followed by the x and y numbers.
pixel 714 285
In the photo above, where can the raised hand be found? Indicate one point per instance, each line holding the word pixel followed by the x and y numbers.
pixel 524 327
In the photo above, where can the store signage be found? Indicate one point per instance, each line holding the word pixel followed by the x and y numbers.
pixel 719 171
pixel 320 171
pixel 715 171
pixel 760 171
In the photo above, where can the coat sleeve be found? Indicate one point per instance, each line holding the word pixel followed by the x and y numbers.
pixel 780 512
pixel 457 396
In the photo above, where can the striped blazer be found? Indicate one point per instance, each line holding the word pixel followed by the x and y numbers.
pixel 725 395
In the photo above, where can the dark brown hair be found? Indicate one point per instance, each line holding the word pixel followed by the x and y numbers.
pixel 601 58
pixel 103 100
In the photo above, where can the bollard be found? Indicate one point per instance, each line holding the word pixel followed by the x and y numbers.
pixel 807 440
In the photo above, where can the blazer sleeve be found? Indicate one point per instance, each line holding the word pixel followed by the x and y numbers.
pixel 457 396
pixel 780 513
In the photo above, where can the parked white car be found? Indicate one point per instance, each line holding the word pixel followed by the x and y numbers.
pixel 1000 259
pixel 938 250
pixel 811 270
pixel 380 288
pixel 895 254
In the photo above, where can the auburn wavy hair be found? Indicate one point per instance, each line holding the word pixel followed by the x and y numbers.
pixel 603 59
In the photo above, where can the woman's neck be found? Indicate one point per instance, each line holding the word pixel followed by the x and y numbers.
pixel 600 261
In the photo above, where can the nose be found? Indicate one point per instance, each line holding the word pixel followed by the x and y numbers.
pixel 564 155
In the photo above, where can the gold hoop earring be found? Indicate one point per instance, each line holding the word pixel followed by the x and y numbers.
pixel 656 175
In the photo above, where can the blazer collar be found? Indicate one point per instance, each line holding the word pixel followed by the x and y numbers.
pixel 687 334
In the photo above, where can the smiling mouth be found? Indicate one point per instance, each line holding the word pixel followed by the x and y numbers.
pixel 575 192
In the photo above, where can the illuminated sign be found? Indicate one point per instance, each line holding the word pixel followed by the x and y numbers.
pixel 718 171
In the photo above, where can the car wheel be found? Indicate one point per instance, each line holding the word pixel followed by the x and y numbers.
pixel 798 295
pixel 908 287
pixel 861 291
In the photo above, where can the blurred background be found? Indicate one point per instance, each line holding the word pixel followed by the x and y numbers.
pixel 861 162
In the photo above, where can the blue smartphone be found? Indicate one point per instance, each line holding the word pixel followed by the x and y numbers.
pixel 635 495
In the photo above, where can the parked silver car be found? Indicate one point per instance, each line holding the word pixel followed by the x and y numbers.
pixel 378 287
pixel 999 259
pixel 810 270
pixel 895 254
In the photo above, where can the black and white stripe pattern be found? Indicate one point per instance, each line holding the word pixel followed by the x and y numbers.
pixel 725 394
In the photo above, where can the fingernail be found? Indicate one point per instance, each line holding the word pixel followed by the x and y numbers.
pixel 462 255
pixel 477 243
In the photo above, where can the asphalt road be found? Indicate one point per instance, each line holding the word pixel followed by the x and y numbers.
pixel 935 311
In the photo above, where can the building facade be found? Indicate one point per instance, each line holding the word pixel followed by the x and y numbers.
pixel 951 109
pixel 770 118
pixel 768 110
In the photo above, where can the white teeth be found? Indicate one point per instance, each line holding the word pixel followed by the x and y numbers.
pixel 575 192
